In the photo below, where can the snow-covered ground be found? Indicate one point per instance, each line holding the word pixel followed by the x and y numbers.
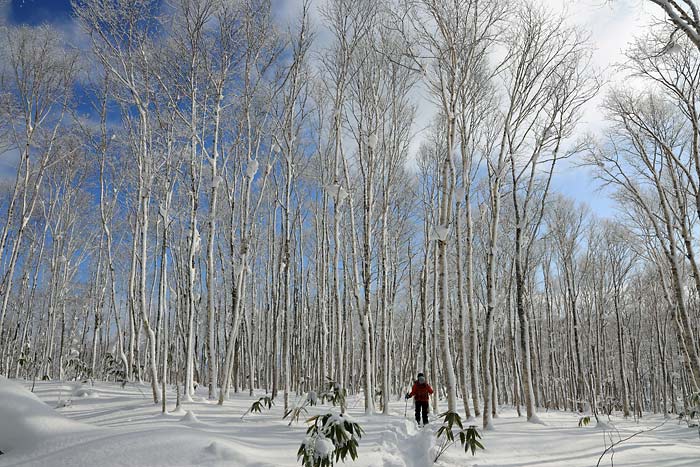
pixel 110 425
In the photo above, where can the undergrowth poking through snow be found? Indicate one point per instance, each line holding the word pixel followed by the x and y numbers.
pixel 336 394
pixel 258 405
pixel 330 438
pixel 468 438
pixel 295 412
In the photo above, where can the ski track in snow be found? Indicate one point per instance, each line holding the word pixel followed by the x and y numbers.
pixel 402 444
pixel 121 426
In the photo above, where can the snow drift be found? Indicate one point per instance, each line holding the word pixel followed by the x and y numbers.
pixel 34 434
pixel 25 421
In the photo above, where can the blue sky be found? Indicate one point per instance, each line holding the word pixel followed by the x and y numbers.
pixel 34 12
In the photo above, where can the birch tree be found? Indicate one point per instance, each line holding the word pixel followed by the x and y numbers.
pixel 551 62
pixel 121 39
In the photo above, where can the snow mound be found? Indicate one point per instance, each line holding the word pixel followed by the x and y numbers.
pixel 83 392
pixel 223 452
pixel 62 403
pixel 190 417
pixel 177 411
pixel 25 421
pixel 536 420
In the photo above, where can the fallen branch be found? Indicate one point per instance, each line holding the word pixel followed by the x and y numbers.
pixel 625 439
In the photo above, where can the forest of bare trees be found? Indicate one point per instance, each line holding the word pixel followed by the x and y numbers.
pixel 207 195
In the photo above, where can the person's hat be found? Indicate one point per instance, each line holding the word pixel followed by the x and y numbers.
pixel 420 374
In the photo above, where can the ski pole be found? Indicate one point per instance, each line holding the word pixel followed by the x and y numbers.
pixel 405 408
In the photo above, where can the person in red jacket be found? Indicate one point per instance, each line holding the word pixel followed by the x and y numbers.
pixel 421 390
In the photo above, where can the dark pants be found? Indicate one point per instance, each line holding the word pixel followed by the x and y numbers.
pixel 422 407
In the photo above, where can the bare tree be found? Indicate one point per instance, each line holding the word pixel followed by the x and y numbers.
pixel 684 15
pixel 551 60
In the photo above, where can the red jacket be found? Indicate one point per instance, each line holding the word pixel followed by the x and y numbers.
pixel 421 392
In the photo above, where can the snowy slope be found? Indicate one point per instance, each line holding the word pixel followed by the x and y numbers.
pixel 26 422
pixel 112 426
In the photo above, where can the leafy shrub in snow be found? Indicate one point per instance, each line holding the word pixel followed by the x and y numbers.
pixel 316 451
pixel 26 359
pixel 331 437
pixel 295 412
pixel 265 401
pixel 468 437
pixel 113 367
pixel 73 364
pixel 335 394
